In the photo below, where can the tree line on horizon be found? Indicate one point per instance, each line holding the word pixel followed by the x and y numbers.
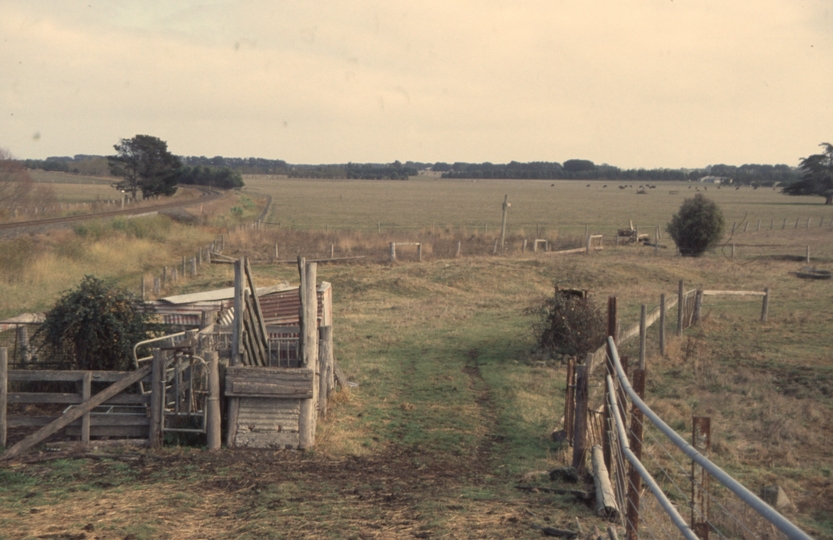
pixel 571 169
pixel 144 164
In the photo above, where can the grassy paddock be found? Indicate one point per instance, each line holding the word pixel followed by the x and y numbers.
pixel 454 405
pixel 564 206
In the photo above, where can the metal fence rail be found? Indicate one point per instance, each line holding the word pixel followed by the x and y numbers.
pixel 730 525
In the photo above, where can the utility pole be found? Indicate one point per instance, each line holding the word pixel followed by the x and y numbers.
pixel 506 205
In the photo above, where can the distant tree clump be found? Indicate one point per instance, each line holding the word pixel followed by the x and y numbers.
pixel 15 183
pixel 568 324
pixel 697 226
pixel 146 165
pixel 816 176
pixel 218 177
pixel 94 327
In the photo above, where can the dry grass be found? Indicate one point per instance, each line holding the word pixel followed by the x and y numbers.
pixel 446 369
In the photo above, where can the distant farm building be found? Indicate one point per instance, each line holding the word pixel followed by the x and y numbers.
pixel 715 180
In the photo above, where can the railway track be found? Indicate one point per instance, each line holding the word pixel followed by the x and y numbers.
pixel 10 229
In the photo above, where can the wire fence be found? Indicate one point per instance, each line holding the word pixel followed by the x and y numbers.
pixel 681 479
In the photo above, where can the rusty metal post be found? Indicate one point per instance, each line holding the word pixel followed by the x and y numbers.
pixel 701 440
pixel 634 480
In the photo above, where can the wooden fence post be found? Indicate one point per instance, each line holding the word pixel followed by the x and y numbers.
pixel 157 398
pixel 325 355
pixel 662 324
pixel 698 305
pixel 193 266
pixel 506 205
pixel 701 441
pixel 765 305
pixel 237 328
pixel 419 252
pixel 680 308
pixel 570 399
pixel 86 393
pixel 392 251
pixel 580 422
pixel 144 296
pixel 634 480
pixel 460 247
pixel 643 331
pixel 157 285
pixel 213 422
pixel 808 255
pixel 23 344
pixel 4 393
pixel 309 356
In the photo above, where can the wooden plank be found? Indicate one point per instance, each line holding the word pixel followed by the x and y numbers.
pixel 27 375
pixel 734 293
pixel 95 420
pixel 259 323
pixel 237 327
pixel 567 251
pixel 258 330
pixel 267 374
pixel 252 389
pixel 250 340
pixel 75 399
pixel 74 414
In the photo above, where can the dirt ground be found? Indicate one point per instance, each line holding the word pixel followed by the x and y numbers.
pixel 176 493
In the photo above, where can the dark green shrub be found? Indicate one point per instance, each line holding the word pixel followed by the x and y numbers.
pixel 567 324
pixel 93 327
pixel 697 226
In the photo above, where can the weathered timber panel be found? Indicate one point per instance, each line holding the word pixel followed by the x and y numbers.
pixel 100 420
pixel 267 423
pixel 272 382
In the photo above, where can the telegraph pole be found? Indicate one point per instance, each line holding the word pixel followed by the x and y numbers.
pixel 506 205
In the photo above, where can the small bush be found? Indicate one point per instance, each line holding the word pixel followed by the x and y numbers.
pixel 93 327
pixel 569 325
pixel 697 226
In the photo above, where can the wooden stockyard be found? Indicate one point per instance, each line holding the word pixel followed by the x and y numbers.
pixel 277 378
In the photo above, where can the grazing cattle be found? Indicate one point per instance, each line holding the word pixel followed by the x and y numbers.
pixel 588 185
pixel 604 186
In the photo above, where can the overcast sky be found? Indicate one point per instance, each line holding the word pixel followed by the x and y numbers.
pixel 632 83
